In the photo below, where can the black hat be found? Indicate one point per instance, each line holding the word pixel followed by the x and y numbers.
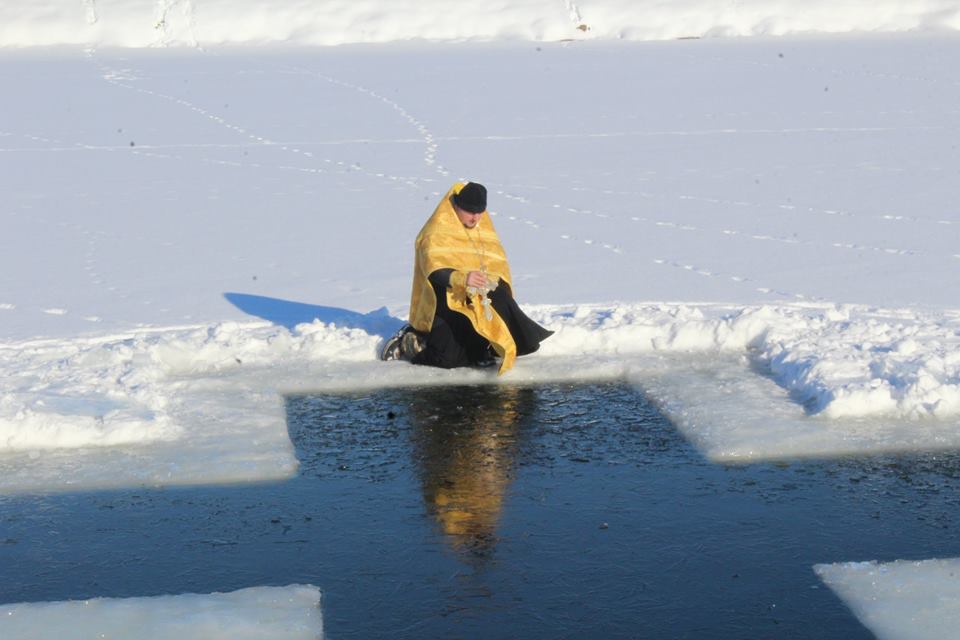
pixel 472 198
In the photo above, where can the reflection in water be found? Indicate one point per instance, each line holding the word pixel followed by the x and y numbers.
pixel 691 550
pixel 464 444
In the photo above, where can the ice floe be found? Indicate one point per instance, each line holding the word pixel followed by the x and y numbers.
pixel 901 600
pixel 288 613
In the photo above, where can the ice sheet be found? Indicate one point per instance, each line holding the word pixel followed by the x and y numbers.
pixel 787 204
pixel 197 423
pixel 735 414
pixel 287 613
pixel 902 600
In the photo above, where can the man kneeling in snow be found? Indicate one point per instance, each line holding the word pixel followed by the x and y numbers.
pixel 462 311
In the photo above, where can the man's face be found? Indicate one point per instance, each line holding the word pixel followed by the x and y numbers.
pixel 467 219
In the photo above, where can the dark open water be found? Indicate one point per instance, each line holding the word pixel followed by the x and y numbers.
pixel 499 512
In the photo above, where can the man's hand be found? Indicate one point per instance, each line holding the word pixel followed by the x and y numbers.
pixel 476 279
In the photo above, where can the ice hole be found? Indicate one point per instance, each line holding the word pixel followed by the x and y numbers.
pixel 547 510
pixel 568 507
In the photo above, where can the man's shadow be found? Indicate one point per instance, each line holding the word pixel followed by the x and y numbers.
pixel 289 314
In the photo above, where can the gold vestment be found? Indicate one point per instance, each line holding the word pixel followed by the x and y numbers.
pixel 444 243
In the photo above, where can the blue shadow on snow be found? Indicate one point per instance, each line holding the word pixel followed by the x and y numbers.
pixel 290 314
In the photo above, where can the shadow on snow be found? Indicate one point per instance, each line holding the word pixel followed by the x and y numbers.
pixel 289 314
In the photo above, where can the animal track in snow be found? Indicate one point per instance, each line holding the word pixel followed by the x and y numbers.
pixel 123 78
pixel 844 213
pixel 701 271
pixel 707 273
pixel 430 153
pixel 790 240
pixel 616 249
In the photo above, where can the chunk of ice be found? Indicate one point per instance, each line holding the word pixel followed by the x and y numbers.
pixel 902 600
pixel 279 613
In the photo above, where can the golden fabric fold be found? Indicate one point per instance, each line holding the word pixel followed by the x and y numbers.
pixel 444 243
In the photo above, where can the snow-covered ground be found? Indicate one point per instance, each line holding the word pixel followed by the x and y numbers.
pixel 782 209
pixel 761 233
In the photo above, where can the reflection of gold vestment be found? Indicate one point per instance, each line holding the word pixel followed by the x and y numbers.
pixel 444 243
pixel 466 456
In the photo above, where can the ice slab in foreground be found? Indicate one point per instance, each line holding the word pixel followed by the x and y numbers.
pixel 279 613
pixel 151 408
pixel 733 413
pixel 900 600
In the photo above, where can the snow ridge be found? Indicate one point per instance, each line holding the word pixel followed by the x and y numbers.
pixel 195 23
pixel 90 392
pixel 838 361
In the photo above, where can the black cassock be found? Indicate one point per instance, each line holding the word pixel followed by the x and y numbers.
pixel 453 342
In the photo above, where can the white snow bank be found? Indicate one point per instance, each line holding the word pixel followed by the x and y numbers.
pixel 74 395
pixel 205 404
pixel 145 23
pixel 196 422
pixel 901 600
pixel 291 612
pixel 839 362
pixel 735 415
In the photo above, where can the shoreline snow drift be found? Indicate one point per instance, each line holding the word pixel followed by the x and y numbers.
pixel 204 23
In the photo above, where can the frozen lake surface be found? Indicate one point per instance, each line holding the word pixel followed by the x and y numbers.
pixel 177 262
pixel 552 511
pixel 758 232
